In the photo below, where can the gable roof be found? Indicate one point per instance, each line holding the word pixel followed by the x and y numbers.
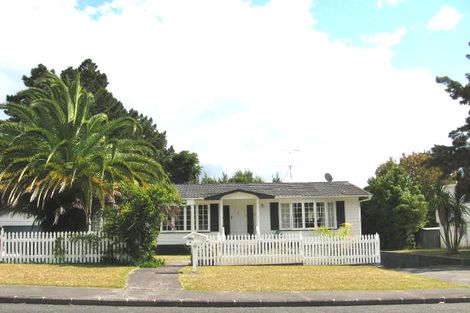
pixel 272 190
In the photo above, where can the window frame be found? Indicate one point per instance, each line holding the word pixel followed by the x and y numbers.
pixel 187 222
pixel 196 217
pixel 326 215
pixel 281 215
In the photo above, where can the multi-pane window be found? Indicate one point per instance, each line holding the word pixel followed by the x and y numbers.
pixel 331 215
pixel 202 217
pixel 285 215
pixel 180 222
pixel 309 214
pixel 301 215
pixel 320 214
pixel 188 223
pixel 297 215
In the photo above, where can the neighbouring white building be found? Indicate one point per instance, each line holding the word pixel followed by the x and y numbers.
pixel 16 222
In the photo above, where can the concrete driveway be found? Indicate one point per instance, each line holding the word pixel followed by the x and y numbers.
pixel 454 274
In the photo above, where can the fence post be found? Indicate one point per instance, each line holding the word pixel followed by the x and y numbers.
pixel 377 247
pixel 2 239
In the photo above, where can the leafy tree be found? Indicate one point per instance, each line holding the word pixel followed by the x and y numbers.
pixel 206 179
pixel 56 159
pixel 455 160
pixel 245 176
pixel 136 216
pixel 92 79
pixel 239 176
pixel 31 81
pixel 451 209
pixel 183 167
pixel 176 164
pixel 397 209
pixel 224 178
pixel 425 176
pixel 277 178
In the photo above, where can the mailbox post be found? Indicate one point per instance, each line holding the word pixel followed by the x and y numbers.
pixel 191 240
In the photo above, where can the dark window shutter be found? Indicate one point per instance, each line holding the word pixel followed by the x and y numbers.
pixel 340 217
pixel 214 217
pixel 274 206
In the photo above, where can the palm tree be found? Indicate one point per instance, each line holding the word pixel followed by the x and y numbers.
pixel 451 209
pixel 55 157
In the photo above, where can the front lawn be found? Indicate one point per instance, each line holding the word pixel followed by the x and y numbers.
pixel 64 275
pixel 303 278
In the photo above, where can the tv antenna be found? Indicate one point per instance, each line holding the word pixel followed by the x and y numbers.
pixel 289 165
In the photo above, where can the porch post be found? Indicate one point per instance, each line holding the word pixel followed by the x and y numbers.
pixel 221 218
pixel 257 217
pixel 193 218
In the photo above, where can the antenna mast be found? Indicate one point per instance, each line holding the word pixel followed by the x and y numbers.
pixel 290 165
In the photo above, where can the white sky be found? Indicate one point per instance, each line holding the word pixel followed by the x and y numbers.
pixel 240 85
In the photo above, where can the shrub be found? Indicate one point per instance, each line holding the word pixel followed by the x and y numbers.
pixel 342 232
pixel 135 219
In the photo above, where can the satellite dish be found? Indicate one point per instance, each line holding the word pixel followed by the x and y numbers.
pixel 328 177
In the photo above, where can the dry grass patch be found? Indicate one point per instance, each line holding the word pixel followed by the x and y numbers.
pixel 64 275
pixel 303 278
pixel 173 258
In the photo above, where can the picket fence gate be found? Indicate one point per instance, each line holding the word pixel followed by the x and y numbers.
pixel 293 248
pixel 58 247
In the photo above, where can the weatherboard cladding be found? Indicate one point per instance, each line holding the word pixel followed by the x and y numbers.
pixel 271 190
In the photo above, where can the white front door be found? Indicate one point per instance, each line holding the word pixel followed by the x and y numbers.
pixel 238 219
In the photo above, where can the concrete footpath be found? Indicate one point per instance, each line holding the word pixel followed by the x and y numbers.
pixel 160 287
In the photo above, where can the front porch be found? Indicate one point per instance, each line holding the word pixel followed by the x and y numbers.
pixel 237 213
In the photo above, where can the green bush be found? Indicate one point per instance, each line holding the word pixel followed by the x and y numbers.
pixel 135 219
pixel 397 209
pixel 343 231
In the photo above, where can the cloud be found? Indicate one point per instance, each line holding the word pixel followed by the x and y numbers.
pixel 446 19
pixel 382 3
pixel 385 39
pixel 241 84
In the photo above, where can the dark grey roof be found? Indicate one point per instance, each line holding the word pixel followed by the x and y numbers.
pixel 271 190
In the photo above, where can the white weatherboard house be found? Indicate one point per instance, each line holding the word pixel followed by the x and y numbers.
pixel 263 208
pixel 16 222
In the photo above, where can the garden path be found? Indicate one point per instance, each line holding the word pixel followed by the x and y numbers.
pixel 159 279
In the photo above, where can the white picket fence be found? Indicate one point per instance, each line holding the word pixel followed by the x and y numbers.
pixel 57 247
pixel 293 248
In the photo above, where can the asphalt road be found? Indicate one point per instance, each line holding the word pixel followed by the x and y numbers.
pixel 409 308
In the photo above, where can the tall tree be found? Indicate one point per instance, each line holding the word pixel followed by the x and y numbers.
pixel 425 176
pixel 455 160
pixel 277 178
pixel 56 159
pixel 239 176
pixel 29 81
pixel 398 208
pixel 182 166
pixel 245 176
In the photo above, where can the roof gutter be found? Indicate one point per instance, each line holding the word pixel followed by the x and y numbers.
pixel 366 198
